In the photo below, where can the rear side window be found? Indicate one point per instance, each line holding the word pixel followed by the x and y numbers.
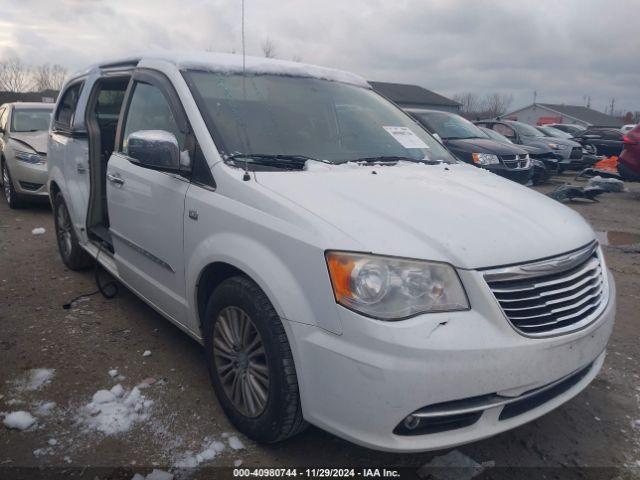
pixel 150 110
pixel 67 107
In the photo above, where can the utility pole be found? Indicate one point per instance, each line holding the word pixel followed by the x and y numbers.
pixel 613 102
pixel 535 95
pixel 589 101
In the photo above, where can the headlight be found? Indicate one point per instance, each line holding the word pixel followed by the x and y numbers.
pixel 391 288
pixel 28 157
pixel 485 158
pixel 556 146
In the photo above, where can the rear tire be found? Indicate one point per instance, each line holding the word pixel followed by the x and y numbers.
pixel 73 255
pixel 246 347
pixel 14 199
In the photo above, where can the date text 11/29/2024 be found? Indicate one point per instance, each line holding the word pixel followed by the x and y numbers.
pixel 316 472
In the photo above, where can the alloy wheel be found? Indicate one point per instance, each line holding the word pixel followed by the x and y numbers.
pixel 6 183
pixel 241 361
pixel 64 231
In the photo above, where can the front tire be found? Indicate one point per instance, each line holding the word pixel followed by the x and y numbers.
pixel 73 255
pixel 250 362
pixel 14 200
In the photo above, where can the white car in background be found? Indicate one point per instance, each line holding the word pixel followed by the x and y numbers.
pixel 627 128
pixel 338 265
pixel 23 151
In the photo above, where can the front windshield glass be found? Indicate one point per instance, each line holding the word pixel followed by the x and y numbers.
pixel 30 119
pixel 554 132
pixel 449 126
pixel 282 116
pixel 495 135
pixel 526 130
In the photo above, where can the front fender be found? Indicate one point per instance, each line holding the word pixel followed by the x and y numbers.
pixel 297 289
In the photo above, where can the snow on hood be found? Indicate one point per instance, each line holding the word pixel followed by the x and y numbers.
pixel 35 140
pixel 453 213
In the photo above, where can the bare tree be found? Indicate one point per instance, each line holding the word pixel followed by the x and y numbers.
pixel 14 75
pixel 269 48
pixel 296 58
pixel 470 102
pixel 496 104
pixel 49 77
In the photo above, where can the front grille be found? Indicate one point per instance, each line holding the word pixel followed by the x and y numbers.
pixel 553 296
pixel 514 161
pixel 576 153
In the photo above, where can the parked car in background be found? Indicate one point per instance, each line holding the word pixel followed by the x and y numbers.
pixel 627 128
pixel 338 264
pixel 523 134
pixel 589 151
pixel 23 151
pixel 544 161
pixel 571 128
pixel 470 144
pixel 605 141
pixel 629 161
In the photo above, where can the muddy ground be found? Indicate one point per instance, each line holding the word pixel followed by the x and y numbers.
pixel 595 430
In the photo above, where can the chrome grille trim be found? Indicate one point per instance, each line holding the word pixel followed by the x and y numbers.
pixel 553 296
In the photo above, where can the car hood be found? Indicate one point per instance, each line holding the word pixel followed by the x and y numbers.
pixel 483 145
pixel 35 140
pixel 457 213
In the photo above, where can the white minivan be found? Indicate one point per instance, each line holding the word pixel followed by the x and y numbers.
pixel 339 266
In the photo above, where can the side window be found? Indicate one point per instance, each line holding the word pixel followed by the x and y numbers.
pixel 150 110
pixel 67 107
pixel 504 130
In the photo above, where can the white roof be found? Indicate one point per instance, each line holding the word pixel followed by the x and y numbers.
pixel 231 63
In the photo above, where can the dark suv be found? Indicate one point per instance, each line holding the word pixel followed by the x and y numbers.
pixel 472 145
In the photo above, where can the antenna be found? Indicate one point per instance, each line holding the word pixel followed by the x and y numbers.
pixel 243 49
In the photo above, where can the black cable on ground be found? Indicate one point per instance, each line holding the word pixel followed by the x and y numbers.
pixel 111 284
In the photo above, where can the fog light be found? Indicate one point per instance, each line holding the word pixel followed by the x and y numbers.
pixel 411 422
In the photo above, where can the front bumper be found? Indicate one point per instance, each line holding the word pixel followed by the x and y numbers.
pixel 28 178
pixel 361 385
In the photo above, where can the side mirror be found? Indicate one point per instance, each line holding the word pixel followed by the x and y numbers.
pixel 156 149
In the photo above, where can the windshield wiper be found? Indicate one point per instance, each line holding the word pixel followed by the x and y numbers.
pixel 283 162
pixel 392 159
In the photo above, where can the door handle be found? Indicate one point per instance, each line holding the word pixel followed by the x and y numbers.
pixel 115 179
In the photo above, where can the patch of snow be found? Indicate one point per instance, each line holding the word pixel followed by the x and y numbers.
pixel 146 353
pixel 67 459
pixel 40 452
pixel 19 420
pixel 113 373
pixel 235 443
pixel 455 465
pixel 45 408
pixel 35 379
pixel 159 475
pixel 209 451
pixel 52 442
pixel 38 231
pixel 237 463
pixel 111 414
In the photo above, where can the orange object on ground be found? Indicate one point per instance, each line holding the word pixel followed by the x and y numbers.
pixel 609 164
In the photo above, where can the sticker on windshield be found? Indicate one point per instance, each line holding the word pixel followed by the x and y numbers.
pixel 406 137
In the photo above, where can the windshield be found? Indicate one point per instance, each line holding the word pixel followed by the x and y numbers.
pixel 449 126
pixel 526 130
pixel 554 132
pixel 30 119
pixel 274 115
pixel 495 135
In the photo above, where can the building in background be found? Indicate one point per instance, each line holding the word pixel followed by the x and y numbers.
pixel 543 113
pixel 414 96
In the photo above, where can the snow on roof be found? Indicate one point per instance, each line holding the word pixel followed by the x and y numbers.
pixel 231 63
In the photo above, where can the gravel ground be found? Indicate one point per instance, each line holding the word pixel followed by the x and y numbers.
pixel 599 429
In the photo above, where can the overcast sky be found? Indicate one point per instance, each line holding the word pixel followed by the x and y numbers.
pixel 563 49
